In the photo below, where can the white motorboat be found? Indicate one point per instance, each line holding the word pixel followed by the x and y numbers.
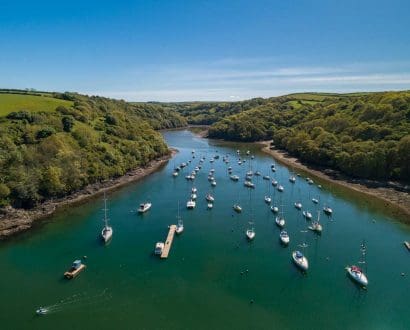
pixel 284 237
pixel 237 208
pixel 249 173
pixel 144 207
pixel 42 311
pixel 248 152
pixel 315 200
pixel 158 248
pixel 212 170
pixel 258 173
pixel 175 174
pixel 280 221
pixel 190 204
pixel 239 162
pixel 213 183
pixel 196 169
pixel 307 215
pixel 194 197
pixel 266 177
pixel 274 209
pixel 210 205
pixel 250 233
pixel 252 157
pixel 268 199
pixel 310 181
pixel 211 178
pixel 274 183
pixel 356 273
pixel 273 169
pixel 300 260
pixel 234 177
pixel 106 233
pixel 280 188
pixel 194 190
pixel 249 184
pixel 210 198
pixel 292 179
pixel 327 210
pixel 298 205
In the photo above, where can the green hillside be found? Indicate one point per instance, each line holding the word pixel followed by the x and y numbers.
pixel 31 103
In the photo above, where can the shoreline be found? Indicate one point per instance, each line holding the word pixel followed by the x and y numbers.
pixel 389 196
pixel 14 221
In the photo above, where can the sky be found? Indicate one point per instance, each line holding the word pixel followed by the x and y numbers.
pixel 172 50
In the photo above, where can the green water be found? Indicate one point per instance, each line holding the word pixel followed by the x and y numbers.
pixel 201 286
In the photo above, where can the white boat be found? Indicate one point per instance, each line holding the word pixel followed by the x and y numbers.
pixel 144 207
pixel 106 233
pixel 292 179
pixel 250 233
pixel 274 209
pixel 211 178
pixel 180 224
pixel 327 210
pixel 268 199
pixel 210 205
pixel 237 208
pixel 234 177
pixel 280 188
pixel 284 237
pixel 310 181
pixel 298 205
pixel 213 183
pixel 194 197
pixel 210 198
pixel 249 173
pixel 194 190
pixel 300 260
pixel 158 248
pixel 280 221
pixel 175 174
pixel 315 225
pixel 356 273
pixel 41 311
pixel 212 170
pixel 266 177
pixel 239 162
pixel 274 183
pixel 307 215
pixel 249 184
pixel 190 204
pixel 273 169
pixel 258 173
pixel 196 169
pixel 315 200
pixel 248 152
pixel 188 177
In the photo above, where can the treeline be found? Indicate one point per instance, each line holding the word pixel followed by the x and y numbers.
pixel 45 155
pixel 364 136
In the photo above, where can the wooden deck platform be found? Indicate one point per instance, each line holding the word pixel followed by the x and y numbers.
pixel 168 242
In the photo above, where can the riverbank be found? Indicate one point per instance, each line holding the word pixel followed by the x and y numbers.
pixel 13 221
pixel 390 197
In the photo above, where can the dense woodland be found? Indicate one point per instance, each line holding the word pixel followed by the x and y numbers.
pixel 45 155
pixel 362 135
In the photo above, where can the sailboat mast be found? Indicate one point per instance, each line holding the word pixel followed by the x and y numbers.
pixel 105 211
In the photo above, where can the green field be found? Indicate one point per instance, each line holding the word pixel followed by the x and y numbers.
pixel 18 102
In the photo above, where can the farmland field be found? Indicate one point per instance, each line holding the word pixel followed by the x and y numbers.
pixel 18 102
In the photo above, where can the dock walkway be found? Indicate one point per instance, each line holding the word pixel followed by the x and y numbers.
pixel 168 242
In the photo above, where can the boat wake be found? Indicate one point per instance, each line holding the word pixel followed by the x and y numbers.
pixel 77 301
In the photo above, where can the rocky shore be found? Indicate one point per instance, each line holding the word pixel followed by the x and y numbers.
pixel 392 195
pixel 13 221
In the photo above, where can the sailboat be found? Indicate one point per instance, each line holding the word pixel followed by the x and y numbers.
pixel 280 188
pixel 315 225
pixel 237 208
pixel 180 224
pixel 315 200
pixel 284 237
pixel 307 215
pixel 356 273
pixel 327 210
pixel 292 179
pixel 298 205
pixel 107 231
pixel 210 198
pixel 250 232
pixel 280 220
pixel 299 259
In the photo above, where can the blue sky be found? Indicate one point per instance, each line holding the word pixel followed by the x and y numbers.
pixel 174 50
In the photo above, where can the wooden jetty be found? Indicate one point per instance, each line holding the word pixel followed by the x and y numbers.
pixel 168 242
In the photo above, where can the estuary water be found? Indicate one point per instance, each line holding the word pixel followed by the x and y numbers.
pixel 214 278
